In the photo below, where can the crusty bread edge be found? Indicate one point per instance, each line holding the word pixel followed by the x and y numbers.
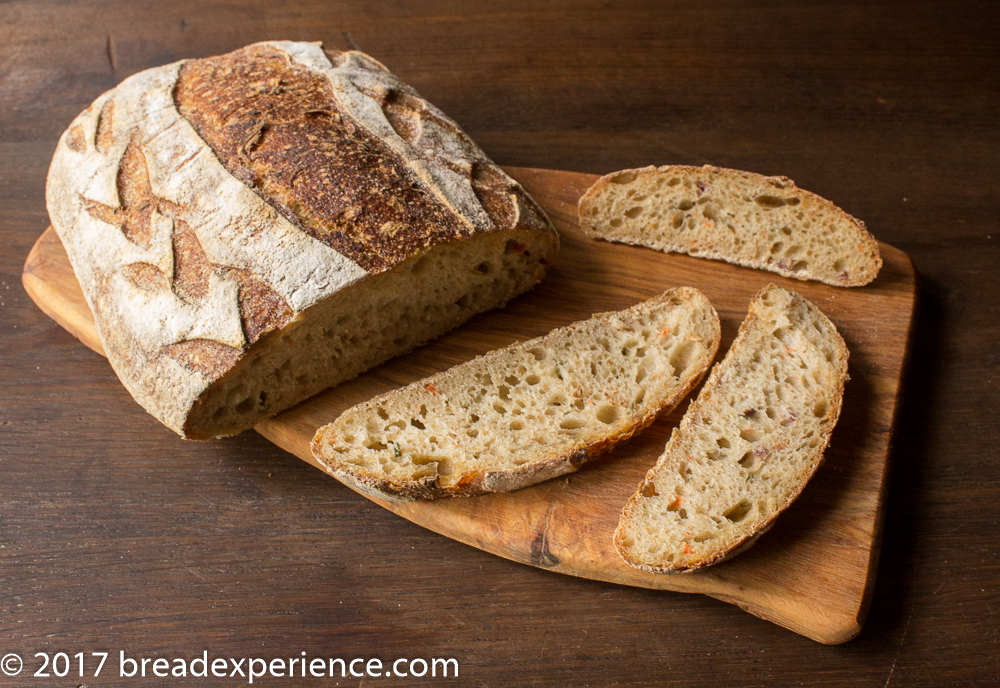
pixel 487 482
pixel 557 464
pixel 869 244
pixel 744 544
pixel 310 271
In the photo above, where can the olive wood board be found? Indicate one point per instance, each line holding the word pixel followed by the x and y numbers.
pixel 813 572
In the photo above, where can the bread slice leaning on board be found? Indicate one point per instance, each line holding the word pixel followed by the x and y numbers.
pixel 529 412
pixel 253 228
pixel 739 217
pixel 746 446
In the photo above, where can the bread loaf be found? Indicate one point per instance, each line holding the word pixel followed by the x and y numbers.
pixel 252 228
pixel 740 217
pixel 530 412
pixel 746 446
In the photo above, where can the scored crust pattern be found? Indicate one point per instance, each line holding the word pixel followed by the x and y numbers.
pixel 345 185
pixel 261 308
pixel 207 203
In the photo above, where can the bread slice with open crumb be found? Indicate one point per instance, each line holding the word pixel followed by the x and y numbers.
pixel 746 446
pixel 739 217
pixel 529 412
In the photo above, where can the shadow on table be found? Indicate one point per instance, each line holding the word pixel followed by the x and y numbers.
pixel 894 598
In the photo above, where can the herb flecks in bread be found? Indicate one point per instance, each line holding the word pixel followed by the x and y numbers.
pixel 739 217
pixel 529 412
pixel 253 228
pixel 746 446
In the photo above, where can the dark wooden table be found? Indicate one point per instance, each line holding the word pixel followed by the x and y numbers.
pixel 117 536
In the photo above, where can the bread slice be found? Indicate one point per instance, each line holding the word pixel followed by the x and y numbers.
pixel 746 446
pixel 739 217
pixel 529 412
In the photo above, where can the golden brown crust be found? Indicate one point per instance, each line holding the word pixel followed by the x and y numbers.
pixel 203 356
pixel 190 199
pixel 262 309
pixel 344 186
pixel 104 136
pixel 191 266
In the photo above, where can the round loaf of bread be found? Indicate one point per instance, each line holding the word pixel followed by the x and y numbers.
pixel 253 228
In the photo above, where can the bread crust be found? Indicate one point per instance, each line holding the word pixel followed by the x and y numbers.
pixel 715 385
pixel 559 462
pixel 190 248
pixel 594 220
pixel 486 482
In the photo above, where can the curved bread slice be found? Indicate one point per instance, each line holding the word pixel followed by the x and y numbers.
pixel 739 217
pixel 529 412
pixel 746 446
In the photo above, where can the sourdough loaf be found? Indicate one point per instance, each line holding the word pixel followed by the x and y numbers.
pixel 740 217
pixel 529 412
pixel 746 446
pixel 252 228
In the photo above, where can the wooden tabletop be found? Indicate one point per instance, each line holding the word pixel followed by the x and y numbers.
pixel 115 535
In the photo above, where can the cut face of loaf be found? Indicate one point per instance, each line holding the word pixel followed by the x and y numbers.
pixel 529 412
pixel 739 217
pixel 368 323
pixel 746 446
pixel 251 228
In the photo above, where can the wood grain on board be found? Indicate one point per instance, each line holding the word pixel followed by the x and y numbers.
pixel 812 573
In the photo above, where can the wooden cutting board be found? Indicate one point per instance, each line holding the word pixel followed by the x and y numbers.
pixel 812 573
